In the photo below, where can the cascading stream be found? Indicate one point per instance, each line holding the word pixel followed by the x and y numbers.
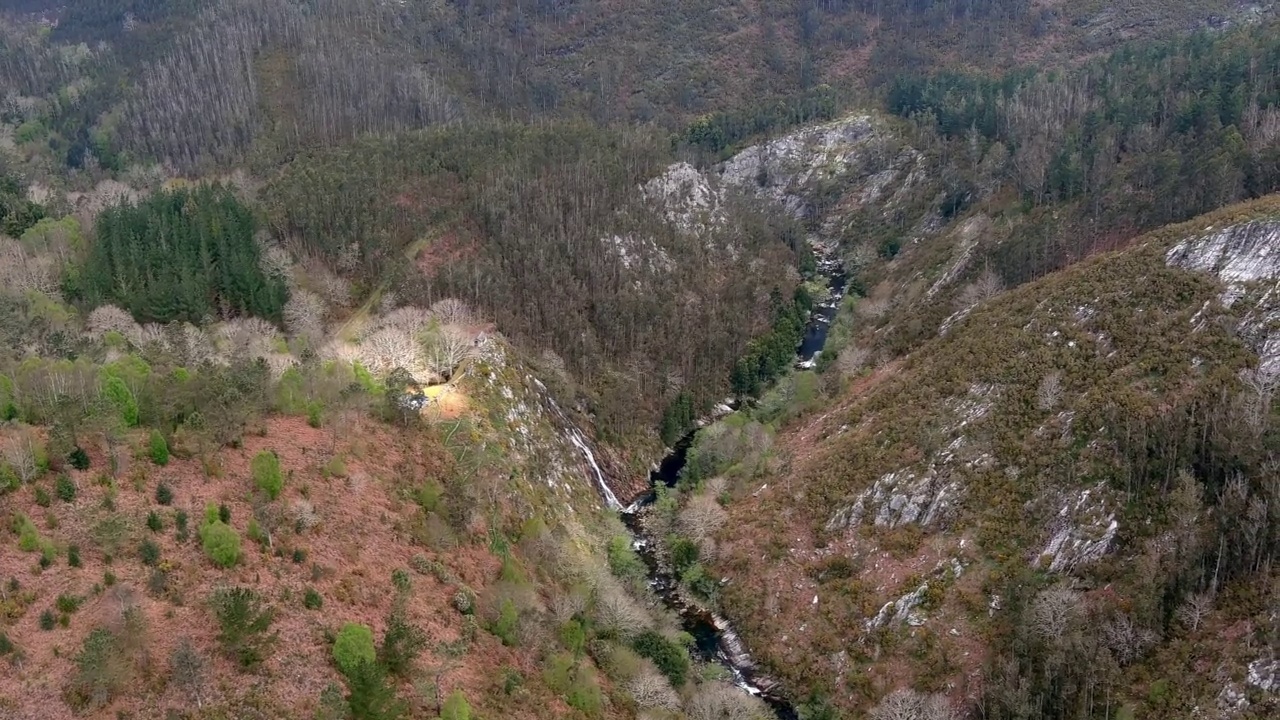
pixel 715 639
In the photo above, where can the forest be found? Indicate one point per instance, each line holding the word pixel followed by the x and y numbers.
pixel 281 281
pixel 179 257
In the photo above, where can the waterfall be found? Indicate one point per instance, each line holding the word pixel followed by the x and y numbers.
pixel 576 437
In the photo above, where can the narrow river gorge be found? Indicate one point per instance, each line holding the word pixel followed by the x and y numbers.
pixel 716 641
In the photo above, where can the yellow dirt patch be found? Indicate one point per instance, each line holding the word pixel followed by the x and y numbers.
pixel 446 402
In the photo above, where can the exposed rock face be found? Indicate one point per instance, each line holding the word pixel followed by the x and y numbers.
pixel 1246 258
pixel 896 612
pixel 689 200
pixel 1082 532
pixel 790 169
pixel 898 498
pixel 926 494
pixel 1264 675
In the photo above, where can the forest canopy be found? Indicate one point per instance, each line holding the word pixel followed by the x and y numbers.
pixel 185 255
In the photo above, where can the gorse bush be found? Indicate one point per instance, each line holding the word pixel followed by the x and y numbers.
pixel 401 644
pixel 78 458
pixel 149 552
pixel 266 474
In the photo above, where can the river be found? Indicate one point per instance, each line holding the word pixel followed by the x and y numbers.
pixel 715 639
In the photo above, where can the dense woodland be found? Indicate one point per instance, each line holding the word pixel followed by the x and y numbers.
pixel 184 256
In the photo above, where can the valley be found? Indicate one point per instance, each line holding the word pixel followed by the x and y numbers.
pixel 658 360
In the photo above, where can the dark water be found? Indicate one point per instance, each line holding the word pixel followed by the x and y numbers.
pixel 710 641
pixel 815 335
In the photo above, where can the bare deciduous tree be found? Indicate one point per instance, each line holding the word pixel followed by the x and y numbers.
pixel 452 311
pixel 1049 392
pixel 303 515
pixel 651 689
pixel 187 669
pixel 109 318
pixel 1260 387
pixel 852 359
pixel 913 705
pixel 1053 610
pixel 1194 610
pixel 304 315
pixel 1126 639
pixel 448 349
pixel 701 517
pixel 722 701
pixel 249 338
pixel 20 453
pixel 616 610
pixel 987 285
pixel 389 348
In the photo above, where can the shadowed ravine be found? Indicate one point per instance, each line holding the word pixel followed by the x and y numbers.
pixel 715 639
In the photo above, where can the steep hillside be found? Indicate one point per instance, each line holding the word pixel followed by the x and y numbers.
pixel 1067 497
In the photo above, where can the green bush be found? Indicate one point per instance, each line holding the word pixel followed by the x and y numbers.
pixel 42 497
pixel 28 536
pixel 312 600
pixel 456 707
pixel 624 561
pixel 353 646
pixel 159 449
pixel 508 619
pixel 9 480
pixel 670 659
pixel 266 474
pixel 149 552
pixel 73 556
pixel 220 541
pixel 48 620
pixel 164 495
pixel 154 523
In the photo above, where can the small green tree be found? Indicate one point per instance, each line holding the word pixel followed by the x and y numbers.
pixel 65 488
pixel 669 657
pixel 370 696
pixel 353 646
pixel 401 644
pixel 119 394
pixel 266 474
pixel 220 541
pixel 159 449
pixel 78 458
pixel 243 622
pixel 456 707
